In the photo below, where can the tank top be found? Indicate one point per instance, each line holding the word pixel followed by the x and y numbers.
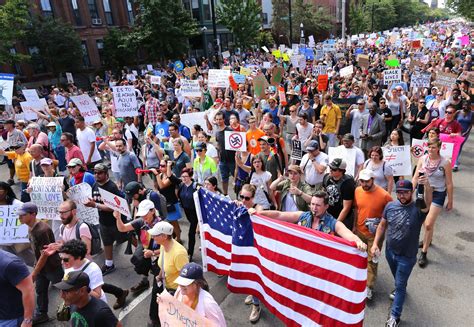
pixel 152 160
pixel 437 179
pixel 290 126
pixel 394 107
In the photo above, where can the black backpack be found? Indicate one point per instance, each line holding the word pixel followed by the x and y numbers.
pixel 96 245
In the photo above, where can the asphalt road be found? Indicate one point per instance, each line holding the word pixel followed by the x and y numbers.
pixel 439 295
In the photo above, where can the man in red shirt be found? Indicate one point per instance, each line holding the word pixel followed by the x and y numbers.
pixel 449 125
pixel 72 151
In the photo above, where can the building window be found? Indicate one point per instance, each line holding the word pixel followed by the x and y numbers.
pixel 108 12
pixel 264 18
pixel 93 9
pixel 36 60
pixel 195 10
pixel 85 55
pixel 100 48
pixel 76 13
pixel 131 19
pixel 46 8
pixel 206 9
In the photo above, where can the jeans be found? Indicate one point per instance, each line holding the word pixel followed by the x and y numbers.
pixel 42 285
pixel 24 196
pixel 401 268
pixel 193 220
pixel 332 140
pixel 11 322
pixel 60 153
pixel 112 289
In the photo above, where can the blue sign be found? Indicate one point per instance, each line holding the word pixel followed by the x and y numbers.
pixel 178 65
pixel 239 79
pixel 309 54
pixel 359 51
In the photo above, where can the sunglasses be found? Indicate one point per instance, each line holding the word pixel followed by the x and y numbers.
pixel 65 260
pixel 292 110
pixel 305 100
pixel 450 112
pixel 421 102
pixel 162 166
pixel 247 198
pixel 199 150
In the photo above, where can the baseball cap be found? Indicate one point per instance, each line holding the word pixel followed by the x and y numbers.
pixel 144 207
pixel 343 89
pixel 189 273
pixel 404 185
pixel 132 188
pixel 46 161
pixel 295 168
pixel 28 207
pixel 101 167
pixel 119 120
pixel 162 227
pixel 360 101
pixel 200 146
pixel 338 163
pixel 73 279
pixel 75 162
pixel 313 145
pixel 267 139
pixel 366 174
pixel 51 124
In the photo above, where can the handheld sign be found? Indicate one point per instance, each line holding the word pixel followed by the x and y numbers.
pixel 47 194
pixel 125 101
pixel 87 107
pixel 235 141
pixel 219 78
pixel 80 193
pixel 11 229
pixel 347 71
pixel 70 79
pixel 115 202
pixel 398 158
pixel 392 76
pixel 297 152
pixel 190 88
pixel 155 80
pixel 30 95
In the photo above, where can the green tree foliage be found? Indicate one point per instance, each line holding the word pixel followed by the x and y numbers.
pixel 242 18
pixel 358 21
pixel 14 19
pixel 119 51
pixel 58 44
pixel 463 8
pixel 264 38
pixel 280 23
pixel 163 28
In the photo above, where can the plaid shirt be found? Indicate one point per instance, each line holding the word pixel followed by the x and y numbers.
pixel 151 107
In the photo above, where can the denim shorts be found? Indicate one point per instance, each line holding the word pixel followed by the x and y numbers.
pixel 439 198
pixel 227 169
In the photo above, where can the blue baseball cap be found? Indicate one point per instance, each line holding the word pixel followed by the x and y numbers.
pixel 189 273
pixel 404 185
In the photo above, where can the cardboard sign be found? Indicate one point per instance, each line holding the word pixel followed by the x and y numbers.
pixel 392 76
pixel 467 76
pixel 11 229
pixel 30 95
pixel 190 71
pixel 190 88
pixel 47 194
pixel 87 108
pixel 363 61
pixel 245 71
pixel 80 193
pixel 349 155
pixel 70 79
pixel 218 78
pixel 420 79
pixel 115 202
pixel 347 71
pixel 6 87
pixel 398 158
pixel 445 79
pixel 235 141
pixel 175 313
pixel 420 148
pixel 323 81
pixel 225 54
pixel 260 83
pixel 277 75
pixel 297 151
pixel 125 101
pixel 155 80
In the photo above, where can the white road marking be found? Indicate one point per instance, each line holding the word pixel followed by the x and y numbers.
pixel 125 311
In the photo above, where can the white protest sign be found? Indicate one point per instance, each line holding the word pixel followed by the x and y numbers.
pixel 6 87
pixel 398 158
pixel 320 70
pixel 115 202
pixel 195 118
pixel 155 80
pixel 190 88
pixel 4 144
pixel 47 194
pixel 30 95
pixel 329 47
pixel 125 101
pixel 235 141
pixel 392 76
pixel 267 64
pixel 69 78
pixel 419 79
pixel 87 108
pixel 27 107
pixel 218 78
pixel 134 72
pixel 349 156
pixel 420 148
pixel 347 71
pixel 445 79
pixel 149 67
pixel 80 193
pixel 265 49
pixel 225 54
pixel 11 229
pixel 175 313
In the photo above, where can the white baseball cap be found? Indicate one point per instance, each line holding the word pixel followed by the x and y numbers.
pixel 144 207
pixel 162 227
pixel 366 174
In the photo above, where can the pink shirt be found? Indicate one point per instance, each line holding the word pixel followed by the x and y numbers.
pixel 74 152
pixel 41 139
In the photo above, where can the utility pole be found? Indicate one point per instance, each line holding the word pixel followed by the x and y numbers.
pixel 289 20
pixel 214 30
pixel 343 19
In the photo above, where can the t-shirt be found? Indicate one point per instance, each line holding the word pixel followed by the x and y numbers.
pixel 311 176
pixel 12 271
pixel 106 218
pixel 174 261
pixel 337 195
pixel 226 156
pixel 84 140
pixel 369 205
pixel 96 313
pixel 141 228
pixel 68 124
pixel 161 130
pixel 206 307
pixel 16 136
pixel 304 133
pixel 356 124
pixel 69 233
pixel 74 152
pixel 95 276
pixel 40 236
pixel 448 128
pixel 260 181
pixel 403 227
pixel 227 114
pixel 380 172
pixel 22 164
pixel 253 146
pixel 331 114
pixel 127 163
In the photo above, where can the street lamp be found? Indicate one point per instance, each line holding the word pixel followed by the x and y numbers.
pixel 301 34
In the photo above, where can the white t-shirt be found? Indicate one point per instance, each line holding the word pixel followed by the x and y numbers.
pixel 206 307
pixel 356 116
pixel 84 140
pixel 304 133
pixel 69 233
pixel 95 276
pixel 260 181
pixel 311 176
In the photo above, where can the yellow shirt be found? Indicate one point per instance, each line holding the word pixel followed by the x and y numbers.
pixel 331 114
pixel 110 124
pixel 174 260
pixel 22 164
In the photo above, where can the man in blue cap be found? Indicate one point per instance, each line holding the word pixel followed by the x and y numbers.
pixel 402 220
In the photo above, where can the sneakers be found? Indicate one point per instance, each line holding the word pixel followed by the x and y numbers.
pixel 40 319
pixel 248 300
pixel 422 259
pixel 107 269
pixel 392 295
pixel 370 293
pixel 140 287
pixel 121 300
pixel 392 322
pixel 255 314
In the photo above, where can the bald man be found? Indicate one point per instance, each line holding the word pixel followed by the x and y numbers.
pixel 36 151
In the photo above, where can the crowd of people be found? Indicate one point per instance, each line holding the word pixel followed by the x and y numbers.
pixel 157 163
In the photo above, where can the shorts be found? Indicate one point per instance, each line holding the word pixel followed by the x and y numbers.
pixel 438 198
pixel 110 234
pixel 227 169
pixel 176 214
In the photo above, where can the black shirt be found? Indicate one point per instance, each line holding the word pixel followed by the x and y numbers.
pixel 227 114
pixel 106 218
pixel 227 156
pixel 68 125
pixel 339 191
pixel 96 313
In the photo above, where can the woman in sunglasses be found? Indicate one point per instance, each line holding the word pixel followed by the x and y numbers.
pixel 418 117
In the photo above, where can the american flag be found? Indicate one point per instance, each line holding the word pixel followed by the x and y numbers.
pixel 304 277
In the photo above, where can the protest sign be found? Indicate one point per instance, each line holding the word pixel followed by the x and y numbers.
pixel 347 71
pixel 420 148
pixel 245 71
pixel 320 70
pixel 225 54
pixel 277 75
pixel 451 144
pixel 264 48
pixel 398 158
pixel 11 229
pixel 6 88
pixel 392 76
pixel 28 106
pixel 329 47
pixel 87 108
pixel 149 67
pixel 363 61
pixel 416 44
pixel 323 81
pixel 319 54
pixel 80 193
pixel 467 76
pixel 239 78
pixel 286 57
pixel 445 79
pixel 339 55
pixel 296 152
pixel 155 80
pixel 115 202
pixel 175 313
pixel 420 79
pixel 4 144
pixel 392 63
pixel 30 95
pixel 190 88
pixel 282 95
pixel 218 78
pixel 260 83
pixel 194 118
pixel 276 53
pixel 70 79
pixel 267 64
pixel 125 101
pixel 189 71
pixel 349 155
pixel 47 194
pixel 235 141
pixel 135 73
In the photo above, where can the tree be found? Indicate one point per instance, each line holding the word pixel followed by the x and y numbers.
pixel 462 7
pixel 58 44
pixel 118 50
pixel 280 23
pixel 14 19
pixel 358 19
pixel 242 18
pixel 264 38
pixel 163 28
pixel 316 21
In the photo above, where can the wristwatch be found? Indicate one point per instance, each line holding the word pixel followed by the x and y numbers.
pixel 28 321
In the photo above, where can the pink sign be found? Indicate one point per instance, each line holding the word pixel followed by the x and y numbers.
pixel 457 141
pixel 464 39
